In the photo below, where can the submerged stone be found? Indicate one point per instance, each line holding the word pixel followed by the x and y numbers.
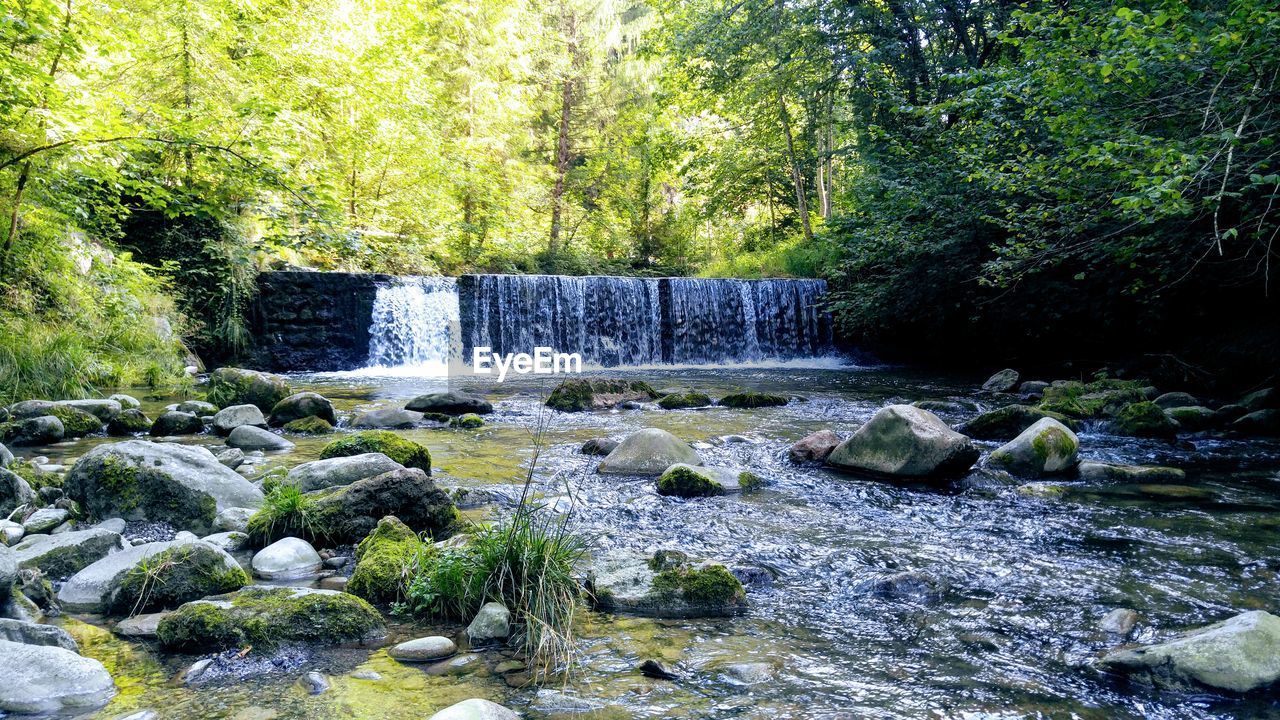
pixel 1240 654
pixel 248 437
pixel 450 403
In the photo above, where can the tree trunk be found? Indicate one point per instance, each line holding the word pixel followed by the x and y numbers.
pixel 13 218
pixel 797 177
pixel 569 28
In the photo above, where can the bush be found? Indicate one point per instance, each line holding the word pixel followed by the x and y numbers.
pixel 405 452
pixel 286 512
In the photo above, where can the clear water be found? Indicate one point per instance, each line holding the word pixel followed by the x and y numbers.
pixel 1013 635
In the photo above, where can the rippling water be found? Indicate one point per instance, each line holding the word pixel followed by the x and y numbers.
pixel 1011 634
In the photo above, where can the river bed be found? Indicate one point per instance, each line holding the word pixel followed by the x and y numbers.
pixel 1011 632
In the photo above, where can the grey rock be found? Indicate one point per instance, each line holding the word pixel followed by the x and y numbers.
pixel 450 403
pixel 48 679
pixel 749 673
pixel 231 457
pixel 905 441
pixel 177 423
pixel 315 682
pixel 492 622
pixel 228 419
pixel 814 448
pixel 907 585
pixel 1106 472
pixel 66 553
pixel 199 408
pixel 89 589
pixel 1175 399
pixel 301 405
pixel 115 525
pixel 475 709
pixel 1046 448
pixel 30 633
pixel 334 472
pixel 127 402
pixel 1119 622
pixel 1240 654
pixel 141 480
pixel 14 492
pixel 1033 387
pixel 30 408
pixel 44 520
pixel 387 419
pixel 247 437
pixel 141 627
pixel 1259 422
pixel 6 457
pixel 1264 399
pixel 423 649
pixel 648 452
pixel 230 541
pixel 11 532
pixel 39 430
pixel 622 581
pixel 1002 382
pixel 104 410
pixel 720 480
pixel 234 519
pixel 287 559
pixel 598 446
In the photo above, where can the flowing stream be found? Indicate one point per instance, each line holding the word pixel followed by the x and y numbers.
pixel 1012 631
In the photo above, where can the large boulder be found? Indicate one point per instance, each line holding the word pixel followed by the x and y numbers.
pixel 1046 448
pixel 302 405
pixel 90 590
pixel 39 430
pixel 30 408
pixel 1002 382
pixel 14 492
pixel 76 422
pixel 450 403
pixel 130 421
pixel 248 437
pixel 333 472
pixel 814 448
pixel 579 394
pixel 186 571
pixel 630 583
pixel 29 633
pixel 404 451
pixel 230 418
pixel 387 419
pixel 1145 474
pixel 234 386
pixel 648 452
pixel 266 617
pixel 103 409
pixel 41 679
pixel 682 480
pixel 906 442
pixel 1145 419
pixel 289 558
pixel 1259 422
pixel 176 422
pixel 385 560
pixel 140 480
pixel 1240 655
pixel 1007 422
pixel 64 554
pixel 1193 418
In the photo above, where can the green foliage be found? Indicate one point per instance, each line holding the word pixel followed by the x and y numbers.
pixel 527 564
pixel 286 512
pixel 402 450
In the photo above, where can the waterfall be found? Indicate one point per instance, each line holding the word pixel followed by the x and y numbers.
pixel 610 321
pixel 413 323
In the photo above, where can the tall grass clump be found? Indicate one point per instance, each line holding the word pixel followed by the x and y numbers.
pixel 527 563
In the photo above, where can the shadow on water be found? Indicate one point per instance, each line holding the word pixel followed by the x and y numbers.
pixel 1010 631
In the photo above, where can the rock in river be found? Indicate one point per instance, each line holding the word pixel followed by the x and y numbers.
pixel 1008 422
pixel 1002 382
pixel 423 649
pixel 66 553
pixel 814 448
pixel 475 709
pixel 248 437
pixel 230 418
pixel 492 622
pixel 1046 448
pixel 140 480
pixel 1240 654
pixel 266 616
pixel 450 403
pixel 287 559
pixel 338 471
pixel 48 679
pixel 176 423
pixel 627 582
pixel 387 419
pixel 302 405
pixel 907 442
pixel 648 452
pixel 689 481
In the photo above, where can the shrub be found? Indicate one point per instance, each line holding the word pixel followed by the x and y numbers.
pixel 286 512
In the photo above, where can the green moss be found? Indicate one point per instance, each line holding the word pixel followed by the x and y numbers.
pixel 1052 443
pixel 712 585
pixel 684 400
pixel 667 560
pixel 309 425
pixel 469 421
pixel 173 577
pixel 117 487
pixel 1145 419
pixel 34 477
pixel 233 386
pixel 750 482
pixel 386 562
pixel 1096 399
pixel 684 482
pixel 129 422
pixel 120 480
pixel 405 452
pixel 437 417
pixel 578 394
pixel 267 617
pixel 75 422
pixel 752 399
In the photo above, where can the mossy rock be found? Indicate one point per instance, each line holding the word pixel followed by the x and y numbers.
pixel 709 586
pixel 1100 398
pixel 76 422
pixel 406 452
pixel 386 561
pixel 680 401
pixel 131 421
pixel 266 617
pixel 579 394
pixel 752 399
pixel 235 386
pixel 176 576
pixel 310 425
pixel 1145 419
pixel 469 421
pixel 1008 422
pixel 689 481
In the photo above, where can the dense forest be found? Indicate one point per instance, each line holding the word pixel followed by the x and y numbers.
pixel 974 178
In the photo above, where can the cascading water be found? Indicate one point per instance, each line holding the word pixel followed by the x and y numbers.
pixel 610 321
pixel 413 324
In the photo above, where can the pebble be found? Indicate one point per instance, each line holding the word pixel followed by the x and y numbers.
pixel 423 649
pixel 366 675
pixel 1119 622
pixel 315 682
